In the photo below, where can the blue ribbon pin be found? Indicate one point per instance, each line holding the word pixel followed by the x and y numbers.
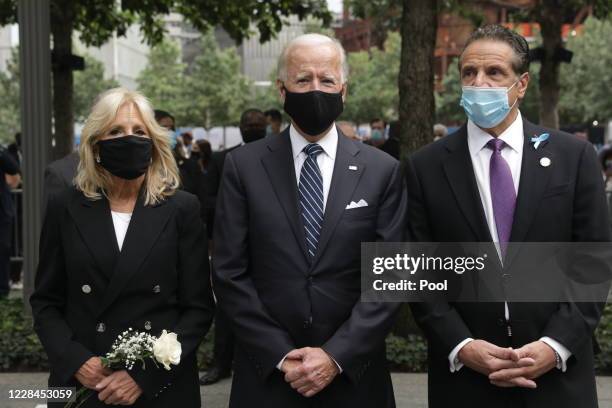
pixel 539 139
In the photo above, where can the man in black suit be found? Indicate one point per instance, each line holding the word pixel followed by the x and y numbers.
pixel 291 215
pixel 7 213
pixel 491 181
pixel 59 175
pixel 252 128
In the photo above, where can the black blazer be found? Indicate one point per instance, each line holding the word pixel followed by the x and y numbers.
pixel 564 202
pixel 277 300
pixel 87 292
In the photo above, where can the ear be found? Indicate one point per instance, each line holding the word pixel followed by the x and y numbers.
pixel 281 90
pixel 522 85
pixel 344 91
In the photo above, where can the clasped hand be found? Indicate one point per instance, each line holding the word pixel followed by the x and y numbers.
pixel 116 388
pixel 507 367
pixel 309 370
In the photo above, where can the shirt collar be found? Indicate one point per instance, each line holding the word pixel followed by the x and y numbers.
pixel 513 136
pixel 329 142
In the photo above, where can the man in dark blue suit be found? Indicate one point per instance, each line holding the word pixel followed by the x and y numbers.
pixel 9 166
pixel 292 213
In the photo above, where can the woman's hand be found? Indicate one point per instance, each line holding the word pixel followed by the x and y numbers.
pixel 92 372
pixel 118 389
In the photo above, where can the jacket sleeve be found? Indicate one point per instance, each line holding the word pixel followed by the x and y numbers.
pixel 195 299
pixel 574 323
pixel 354 343
pixel 65 354
pixel 438 319
pixel 264 339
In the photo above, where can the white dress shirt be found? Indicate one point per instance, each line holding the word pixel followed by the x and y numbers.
pixel 325 160
pixel 481 156
pixel 121 222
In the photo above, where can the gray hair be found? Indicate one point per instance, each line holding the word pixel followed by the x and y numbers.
pixel 312 39
pixel 496 32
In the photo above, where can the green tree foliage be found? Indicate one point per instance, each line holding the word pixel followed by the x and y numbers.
pixel 97 20
pixel 163 79
pixel 587 81
pixel 372 90
pixel 87 85
pixel 216 92
pixel 9 95
pixel 213 93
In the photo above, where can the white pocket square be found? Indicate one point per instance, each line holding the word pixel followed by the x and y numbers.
pixel 358 204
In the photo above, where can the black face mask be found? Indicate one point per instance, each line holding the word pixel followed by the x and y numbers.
pixel 313 112
pixel 251 135
pixel 127 157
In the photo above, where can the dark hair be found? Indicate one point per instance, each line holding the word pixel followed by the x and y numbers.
pixel 160 114
pixel 275 115
pixel 205 152
pixel 249 113
pixel 496 32
pixel 377 120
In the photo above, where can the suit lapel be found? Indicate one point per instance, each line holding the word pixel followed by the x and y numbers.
pixel 532 185
pixel 146 224
pixel 280 168
pixel 460 174
pixel 94 223
pixel 343 184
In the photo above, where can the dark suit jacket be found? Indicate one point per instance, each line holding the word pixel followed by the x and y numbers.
pixel 564 202
pixel 8 165
pixel 160 280
pixel 277 300
pixel 215 170
pixel 59 175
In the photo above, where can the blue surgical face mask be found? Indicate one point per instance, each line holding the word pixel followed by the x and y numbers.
pixel 487 107
pixel 377 135
pixel 172 135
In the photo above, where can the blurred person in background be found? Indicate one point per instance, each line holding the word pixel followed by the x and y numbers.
pixel 9 179
pixel 377 132
pixel 439 131
pixel 252 128
pixel 275 122
pixel 348 129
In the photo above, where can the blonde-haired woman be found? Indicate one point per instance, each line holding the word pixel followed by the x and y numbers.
pixel 123 249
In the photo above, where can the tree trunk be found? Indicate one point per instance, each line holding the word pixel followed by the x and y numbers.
pixel 416 78
pixel 62 22
pixel 550 18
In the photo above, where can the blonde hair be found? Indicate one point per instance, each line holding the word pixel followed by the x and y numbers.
pixel 162 177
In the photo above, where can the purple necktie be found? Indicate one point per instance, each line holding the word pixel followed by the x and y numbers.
pixel 503 194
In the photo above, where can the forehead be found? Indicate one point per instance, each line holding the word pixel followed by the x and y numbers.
pixel 128 112
pixel 314 57
pixel 487 52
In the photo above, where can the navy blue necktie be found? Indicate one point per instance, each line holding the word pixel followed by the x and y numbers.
pixel 311 197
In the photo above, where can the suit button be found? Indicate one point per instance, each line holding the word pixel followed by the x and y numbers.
pixel 501 322
pixel 147 325
pixel 308 323
pixel 86 289
pixel 156 289
pixel 310 279
pixel 100 327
